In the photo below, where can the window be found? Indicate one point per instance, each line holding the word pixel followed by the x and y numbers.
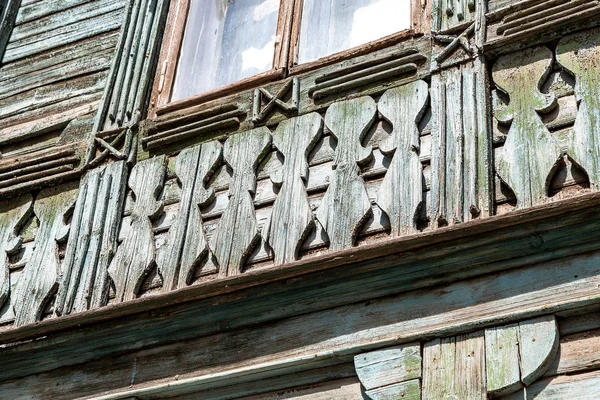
pixel 235 44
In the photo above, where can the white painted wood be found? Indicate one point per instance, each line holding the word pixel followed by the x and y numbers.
pixel 39 281
pixel 502 360
pixel 454 368
pixel 291 217
pixel 346 204
pixel 389 366
pixel 93 240
pixel 237 232
pixel 530 153
pixel 401 191
pixel 579 53
pixel 13 213
pixel 135 257
pixel 186 242
pixel 538 346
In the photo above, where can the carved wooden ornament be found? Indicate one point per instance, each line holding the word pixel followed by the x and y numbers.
pixel 530 152
pixel 39 280
pixel 580 54
pixel 237 232
pixel 186 242
pixel 346 204
pixel 13 213
pixel 292 217
pixel 135 256
pixel 401 191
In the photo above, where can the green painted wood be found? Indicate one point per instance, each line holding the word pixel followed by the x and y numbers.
pixel 410 390
pixel 135 257
pixel 346 204
pixel 292 217
pixel 502 360
pixel 530 153
pixel 389 366
pixel 580 54
pixel 401 191
pixel 237 232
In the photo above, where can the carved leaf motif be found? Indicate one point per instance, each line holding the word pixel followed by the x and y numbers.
pixel 13 213
pixel 237 232
pixel 401 191
pixel 579 53
pixel 186 242
pixel 292 217
pixel 39 280
pixel 135 257
pixel 530 153
pixel 346 203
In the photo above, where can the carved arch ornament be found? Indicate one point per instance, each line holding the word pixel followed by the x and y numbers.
pixel 499 362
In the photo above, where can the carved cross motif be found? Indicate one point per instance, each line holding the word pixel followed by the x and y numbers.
pixel 454 42
pixel 135 256
pixel 260 113
pixel 530 152
pixel 186 242
pixel 346 203
pixel 401 191
pixel 13 214
pixel 292 218
pixel 237 231
pixel 39 280
pixel 579 53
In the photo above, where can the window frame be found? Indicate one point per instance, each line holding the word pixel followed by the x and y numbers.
pixel 284 60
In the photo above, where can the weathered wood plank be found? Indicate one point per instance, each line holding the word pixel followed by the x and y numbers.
pixel 346 204
pixel 291 216
pixel 135 257
pixel 454 367
pixel 410 390
pixel 389 366
pixel 530 153
pixel 579 54
pixel 579 352
pixel 401 192
pixel 581 387
pixel 502 360
pixel 538 346
pixel 30 12
pixel 237 232
pixel 13 214
pixel 39 280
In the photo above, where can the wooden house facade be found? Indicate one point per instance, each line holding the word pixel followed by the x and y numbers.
pixel 400 203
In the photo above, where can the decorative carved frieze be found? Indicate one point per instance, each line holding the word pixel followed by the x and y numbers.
pixel 186 243
pixel 262 111
pixel 450 14
pixel 93 240
pixel 580 54
pixel 40 278
pixel 237 232
pixel 292 217
pixel 135 256
pixel 401 191
pixel 530 153
pixel 337 83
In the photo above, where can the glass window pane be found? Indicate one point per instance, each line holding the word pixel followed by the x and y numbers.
pixel 225 41
pixel 330 26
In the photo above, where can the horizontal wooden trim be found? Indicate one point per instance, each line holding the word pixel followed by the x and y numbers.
pixel 224 91
pixel 209 289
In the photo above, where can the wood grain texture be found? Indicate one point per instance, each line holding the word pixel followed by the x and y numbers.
pixel 187 244
pixel 454 368
pixel 401 192
pixel 502 360
pixel 584 386
pixel 389 366
pixel 39 280
pixel 346 204
pixel 135 256
pixel 530 153
pixel 410 390
pixel 237 232
pixel 13 213
pixel 93 240
pixel 538 346
pixel 292 217
pixel 580 54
